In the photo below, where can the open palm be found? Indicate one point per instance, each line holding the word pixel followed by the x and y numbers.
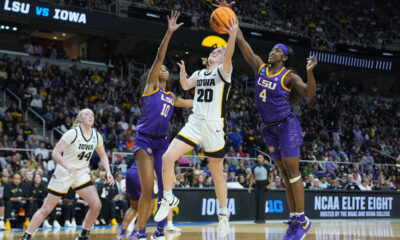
pixel 172 25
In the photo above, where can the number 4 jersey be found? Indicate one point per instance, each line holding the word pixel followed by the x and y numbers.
pixel 211 93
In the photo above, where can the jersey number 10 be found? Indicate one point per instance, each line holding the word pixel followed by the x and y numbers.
pixel 165 110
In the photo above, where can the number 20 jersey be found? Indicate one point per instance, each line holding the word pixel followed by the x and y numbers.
pixel 211 93
pixel 80 150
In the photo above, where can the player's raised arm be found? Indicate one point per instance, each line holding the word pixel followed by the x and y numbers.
pixel 306 89
pixel 251 58
pixel 230 46
pixel 186 83
pixel 152 78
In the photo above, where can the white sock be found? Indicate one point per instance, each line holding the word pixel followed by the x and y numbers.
pixel 292 214
pixel 299 214
pixel 168 195
pixel 223 210
pixel 170 224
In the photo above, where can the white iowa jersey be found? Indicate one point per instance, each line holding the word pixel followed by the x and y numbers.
pixel 80 150
pixel 211 93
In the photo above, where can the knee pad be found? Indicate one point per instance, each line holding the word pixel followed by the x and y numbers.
pixel 293 180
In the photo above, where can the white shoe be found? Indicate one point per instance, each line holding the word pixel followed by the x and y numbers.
pixel 73 223
pixel 157 238
pixel 165 206
pixel 131 225
pixel 67 224
pixel 2 226
pixel 223 225
pixel 56 224
pixel 172 228
pixel 46 224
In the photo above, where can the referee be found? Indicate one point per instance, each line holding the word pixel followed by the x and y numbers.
pixel 264 177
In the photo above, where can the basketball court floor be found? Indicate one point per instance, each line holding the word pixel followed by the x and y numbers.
pixel 321 230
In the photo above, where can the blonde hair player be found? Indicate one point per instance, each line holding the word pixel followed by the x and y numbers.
pixel 77 146
pixel 206 125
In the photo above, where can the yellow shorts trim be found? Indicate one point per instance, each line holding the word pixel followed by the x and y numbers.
pixel 57 191
pixel 81 184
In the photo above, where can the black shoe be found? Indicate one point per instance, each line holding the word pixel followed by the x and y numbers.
pixel 26 236
pixel 81 238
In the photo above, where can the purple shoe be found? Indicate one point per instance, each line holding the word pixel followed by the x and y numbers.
pixel 133 236
pixel 302 229
pixel 293 224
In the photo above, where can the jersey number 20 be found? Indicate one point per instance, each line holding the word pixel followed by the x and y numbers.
pixel 205 95
pixel 82 155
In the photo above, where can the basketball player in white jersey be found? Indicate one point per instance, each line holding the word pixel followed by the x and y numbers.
pixel 77 146
pixel 206 125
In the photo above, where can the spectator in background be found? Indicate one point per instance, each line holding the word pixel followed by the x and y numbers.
pixel 277 184
pixel 235 138
pixel 43 151
pixel 37 104
pixel 14 194
pixel 350 185
pixel 263 176
pixel 335 185
pixel 364 186
pixel 367 161
pixel 36 135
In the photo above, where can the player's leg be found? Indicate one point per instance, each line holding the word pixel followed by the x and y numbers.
pixel 89 195
pixel 129 215
pixel 158 154
pixel 170 224
pixel 145 164
pixel 174 151
pixel 49 204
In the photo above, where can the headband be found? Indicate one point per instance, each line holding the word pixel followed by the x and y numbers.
pixel 283 48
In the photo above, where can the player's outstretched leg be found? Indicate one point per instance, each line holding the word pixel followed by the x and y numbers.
pixel 169 201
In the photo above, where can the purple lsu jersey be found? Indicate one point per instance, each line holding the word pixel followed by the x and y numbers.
pixel 272 96
pixel 157 109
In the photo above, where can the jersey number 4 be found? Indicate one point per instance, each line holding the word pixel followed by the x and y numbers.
pixel 205 95
pixel 83 155
pixel 263 95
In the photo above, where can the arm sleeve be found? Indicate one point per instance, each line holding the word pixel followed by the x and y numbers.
pixel 224 75
pixel 70 136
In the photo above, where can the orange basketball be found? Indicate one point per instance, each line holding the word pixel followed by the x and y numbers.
pixel 220 19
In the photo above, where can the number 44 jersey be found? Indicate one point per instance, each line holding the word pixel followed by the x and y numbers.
pixel 80 150
pixel 211 93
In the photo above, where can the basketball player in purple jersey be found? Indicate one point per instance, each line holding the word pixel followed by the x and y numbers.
pixel 151 140
pixel 281 129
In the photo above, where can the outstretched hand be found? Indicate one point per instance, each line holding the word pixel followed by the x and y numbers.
pixel 182 67
pixel 172 25
pixel 232 27
pixel 311 63
pixel 223 3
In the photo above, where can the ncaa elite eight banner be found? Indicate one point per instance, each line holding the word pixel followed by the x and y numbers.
pixel 197 205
